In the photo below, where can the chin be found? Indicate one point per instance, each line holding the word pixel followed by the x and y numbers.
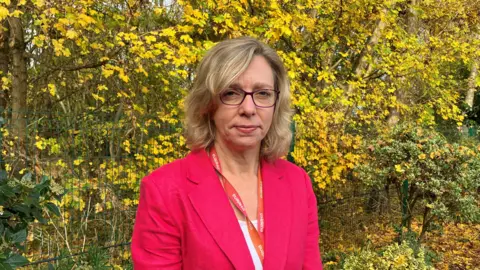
pixel 243 145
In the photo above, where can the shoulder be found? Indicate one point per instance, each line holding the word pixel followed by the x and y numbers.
pixel 288 168
pixel 175 174
pixel 169 175
pixel 292 173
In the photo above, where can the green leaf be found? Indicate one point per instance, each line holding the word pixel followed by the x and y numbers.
pixel 4 266
pixel 6 214
pixel 19 236
pixel 38 215
pixel 53 208
pixel 40 187
pixel 7 191
pixel 22 208
pixel 16 260
pixel 219 19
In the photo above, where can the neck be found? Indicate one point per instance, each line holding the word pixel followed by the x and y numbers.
pixel 238 162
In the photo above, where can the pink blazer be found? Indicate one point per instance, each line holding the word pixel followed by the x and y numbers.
pixel 185 221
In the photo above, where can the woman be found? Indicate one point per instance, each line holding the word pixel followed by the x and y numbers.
pixel 231 203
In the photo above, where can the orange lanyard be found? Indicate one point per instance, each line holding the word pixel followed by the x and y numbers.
pixel 255 235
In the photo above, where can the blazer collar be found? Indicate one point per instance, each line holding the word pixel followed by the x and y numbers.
pixel 212 205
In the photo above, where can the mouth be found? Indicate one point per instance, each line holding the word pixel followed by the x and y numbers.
pixel 246 129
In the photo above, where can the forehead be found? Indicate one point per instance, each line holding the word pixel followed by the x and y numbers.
pixel 258 74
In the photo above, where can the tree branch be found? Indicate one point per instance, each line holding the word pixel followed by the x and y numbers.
pixel 75 68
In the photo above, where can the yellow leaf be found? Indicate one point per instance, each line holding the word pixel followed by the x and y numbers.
pixel 107 72
pixel 168 32
pixel 97 97
pixel 66 52
pixel 158 11
pixel 85 20
pixel 16 13
pixel 38 40
pixel 123 77
pixel 57 46
pixel 398 168
pixel 422 156
pixel 71 34
pixel 40 145
pixel 77 162
pixel 400 261
pixel 3 13
pixel 186 39
pixel 39 3
pixel 52 89
pixel 150 39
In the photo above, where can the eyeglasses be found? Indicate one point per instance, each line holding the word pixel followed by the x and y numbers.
pixel 263 98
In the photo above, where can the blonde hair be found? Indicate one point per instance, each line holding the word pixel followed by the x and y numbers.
pixel 219 68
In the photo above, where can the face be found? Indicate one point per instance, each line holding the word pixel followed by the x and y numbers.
pixel 243 127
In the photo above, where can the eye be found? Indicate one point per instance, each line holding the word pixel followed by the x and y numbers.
pixel 229 93
pixel 264 93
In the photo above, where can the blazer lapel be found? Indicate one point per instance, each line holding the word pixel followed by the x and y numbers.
pixel 277 204
pixel 211 204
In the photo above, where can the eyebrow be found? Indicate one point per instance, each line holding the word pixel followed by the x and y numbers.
pixel 255 86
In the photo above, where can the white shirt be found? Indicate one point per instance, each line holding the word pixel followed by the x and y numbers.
pixel 256 260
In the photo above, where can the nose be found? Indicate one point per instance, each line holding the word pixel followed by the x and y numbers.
pixel 248 106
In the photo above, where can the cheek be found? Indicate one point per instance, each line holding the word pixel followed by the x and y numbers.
pixel 268 119
pixel 221 123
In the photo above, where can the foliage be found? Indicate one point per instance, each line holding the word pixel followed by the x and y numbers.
pixel 23 202
pixel 442 177
pixel 455 245
pixel 106 80
pixel 94 258
pixel 394 256
pixel 133 61
pixel 458 244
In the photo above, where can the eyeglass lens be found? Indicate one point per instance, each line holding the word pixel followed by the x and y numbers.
pixel 262 98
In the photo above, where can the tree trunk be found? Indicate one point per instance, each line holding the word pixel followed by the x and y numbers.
pixel 19 79
pixel 4 61
pixel 360 68
pixel 412 28
pixel 472 84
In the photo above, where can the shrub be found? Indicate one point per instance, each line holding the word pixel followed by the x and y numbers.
pixel 23 202
pixel 394 256
pixel 442 177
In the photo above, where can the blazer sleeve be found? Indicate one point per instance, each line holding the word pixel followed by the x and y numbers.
pixel 156 236
pixel 312 249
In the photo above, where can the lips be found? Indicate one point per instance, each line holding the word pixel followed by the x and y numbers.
pixel 246 129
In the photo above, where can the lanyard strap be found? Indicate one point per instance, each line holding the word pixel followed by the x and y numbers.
pixel 257 236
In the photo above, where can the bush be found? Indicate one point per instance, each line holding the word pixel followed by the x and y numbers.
pixel 394 256
pixel 442 177
pixel 23 202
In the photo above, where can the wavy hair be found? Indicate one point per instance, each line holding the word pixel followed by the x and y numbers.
pixel 218 69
